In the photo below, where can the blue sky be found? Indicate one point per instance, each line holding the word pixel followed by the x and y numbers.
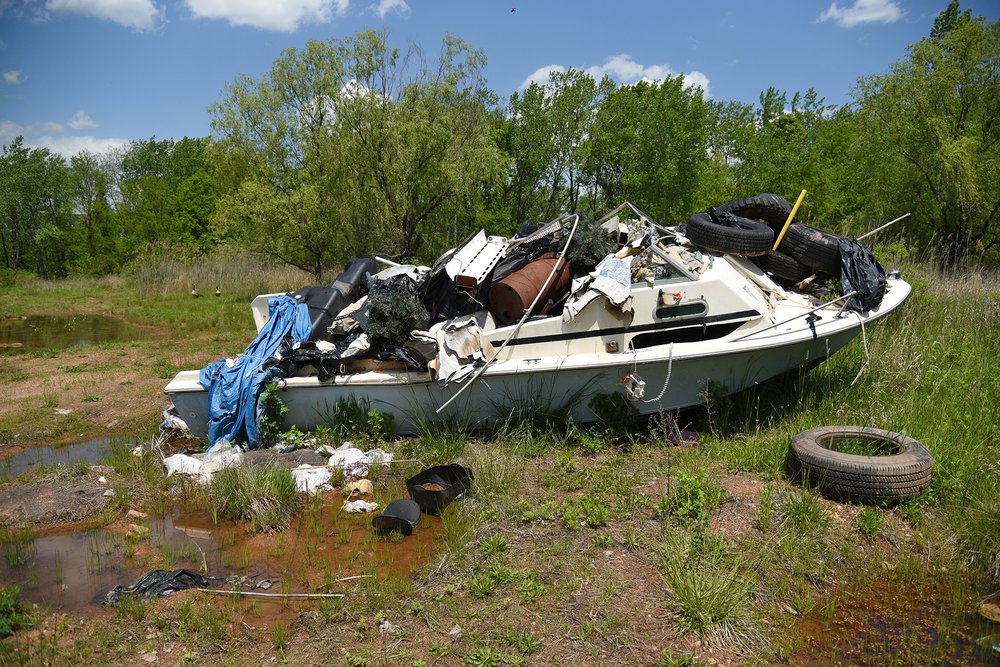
pixel 93 74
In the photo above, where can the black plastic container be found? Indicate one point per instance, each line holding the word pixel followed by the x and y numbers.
pixel 454 482
pixel 325 302
pixel 399 516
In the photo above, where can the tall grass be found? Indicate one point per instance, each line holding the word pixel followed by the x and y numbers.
pixel 266 497
pixel 164 270
pixel 933 374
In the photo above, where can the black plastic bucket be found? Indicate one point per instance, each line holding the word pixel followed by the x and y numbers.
pixel 399 516
pixel 433 489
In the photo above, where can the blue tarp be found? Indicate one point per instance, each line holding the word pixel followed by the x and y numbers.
pixel 233 391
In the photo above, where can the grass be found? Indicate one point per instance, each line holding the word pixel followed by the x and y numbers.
pixel 13 616
pixel 712 600
pixel 266 497
pixel 575 547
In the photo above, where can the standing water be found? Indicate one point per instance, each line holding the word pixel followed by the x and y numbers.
pixel 57 332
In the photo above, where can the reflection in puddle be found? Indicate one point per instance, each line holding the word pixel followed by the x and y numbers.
pixel 91 451
pixel 897 623
pixel 73 572
pixel 56 332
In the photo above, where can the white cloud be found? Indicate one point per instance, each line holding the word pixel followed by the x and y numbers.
pixel 280 15
pixel 863 11
pixel 541 75
pixel 52 136
pixel 81 120
pixel 138 14
pixel 13 77
pixel 624 69
pixel 386 6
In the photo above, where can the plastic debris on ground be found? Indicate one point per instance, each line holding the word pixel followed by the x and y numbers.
pixel 173 425
pixel 203 466
pixel 359 506
pixel 159 583
pixel 360 487
pixel 355 463
pixel 311 479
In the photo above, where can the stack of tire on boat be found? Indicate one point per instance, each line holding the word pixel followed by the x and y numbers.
pixel 748 226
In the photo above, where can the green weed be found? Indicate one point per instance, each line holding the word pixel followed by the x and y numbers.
pixel 713 601
pixel 690 500
pixel 12 614
pixel 266 497
pixel 869 522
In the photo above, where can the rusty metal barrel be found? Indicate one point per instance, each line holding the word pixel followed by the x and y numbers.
pixel 511 296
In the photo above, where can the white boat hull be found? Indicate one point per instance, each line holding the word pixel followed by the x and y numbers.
pixel 565 383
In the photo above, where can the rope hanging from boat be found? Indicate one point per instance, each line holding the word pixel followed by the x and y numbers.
pixel 864 342
pixel 666 381
pixel 524 318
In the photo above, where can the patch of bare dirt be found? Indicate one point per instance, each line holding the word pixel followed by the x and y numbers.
pixel 53 501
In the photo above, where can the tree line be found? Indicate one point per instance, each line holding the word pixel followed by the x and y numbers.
pixel 354 147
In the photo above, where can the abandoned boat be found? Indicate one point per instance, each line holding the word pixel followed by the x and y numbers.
pixel 656 321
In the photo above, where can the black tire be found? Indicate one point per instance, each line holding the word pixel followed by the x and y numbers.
pixel 769 207
pixel 816 248
pixel 814 459
pixel 780 265
pixel 745 237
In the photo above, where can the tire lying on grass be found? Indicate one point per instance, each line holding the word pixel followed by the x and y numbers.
pixel 816 248
pixel 745 237
pixel 769 207
pixel 814 458
pixel 780 265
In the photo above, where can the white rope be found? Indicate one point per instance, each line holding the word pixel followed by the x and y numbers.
pixel 864 341
pixel 670 368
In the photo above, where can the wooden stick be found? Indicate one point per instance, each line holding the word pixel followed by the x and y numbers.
pixel 788 222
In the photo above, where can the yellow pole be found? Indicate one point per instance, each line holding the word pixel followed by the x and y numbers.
pixel 791 216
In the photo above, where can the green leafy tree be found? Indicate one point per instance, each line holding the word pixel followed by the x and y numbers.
pixel 35 209
pixel 355 146
pixel 546 139
pixel 936 117
pixel 96 223
pixel 650 145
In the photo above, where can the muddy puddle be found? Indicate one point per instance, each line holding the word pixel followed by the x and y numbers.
pixel 73 572
pixel 57 332
pixel 886 623
pixel 91 451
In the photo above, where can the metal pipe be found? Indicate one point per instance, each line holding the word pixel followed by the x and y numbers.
pixel 878 229
pixel 527 313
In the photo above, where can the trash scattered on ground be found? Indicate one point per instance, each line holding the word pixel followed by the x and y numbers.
pixel 355 463
pixel 990 611
pixel 389 628
pixel 399 516
pixel 360 487
pixel 685 438
pixel 311 479
pixel 203 466
pixel 360 506
pixel 433 489
pixel 159 583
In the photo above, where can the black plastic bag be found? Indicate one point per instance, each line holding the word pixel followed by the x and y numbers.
pixel 860 271
pixel 159 583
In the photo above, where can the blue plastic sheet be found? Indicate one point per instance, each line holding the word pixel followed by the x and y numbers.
pixel 233 391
